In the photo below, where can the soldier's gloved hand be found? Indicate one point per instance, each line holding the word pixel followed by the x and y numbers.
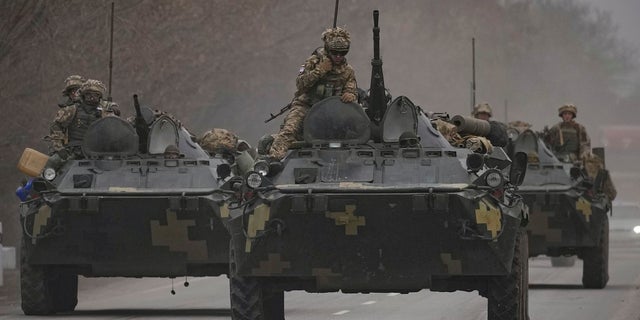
pixel 348 97
pixel 325 65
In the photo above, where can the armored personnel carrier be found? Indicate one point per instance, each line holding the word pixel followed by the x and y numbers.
pixel 378 201
pixel 128 207
pixel 568 209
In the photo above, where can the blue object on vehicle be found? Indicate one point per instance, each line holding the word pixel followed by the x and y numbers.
pixel 24 191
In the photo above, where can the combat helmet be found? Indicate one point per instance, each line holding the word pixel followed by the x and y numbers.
pixel 568 107
pixel 482 107
pixel 336 39
pixel 73 82
pixel 93 85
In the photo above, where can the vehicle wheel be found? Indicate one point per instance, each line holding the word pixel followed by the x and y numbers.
pixel 508 296
pixel 65 292
pixel 595 270
pixel 250 299
pixel 563 262
pixel 35 287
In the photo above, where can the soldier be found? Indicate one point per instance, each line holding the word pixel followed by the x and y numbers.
pixel 568 139
pixel 71 122
pixel 498 134
pixel 326 73
pixel 224 142
pixel 71 90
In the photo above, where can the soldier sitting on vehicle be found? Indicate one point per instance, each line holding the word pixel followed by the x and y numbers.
pixel 223 142
pixel 71 122
pixel 326 73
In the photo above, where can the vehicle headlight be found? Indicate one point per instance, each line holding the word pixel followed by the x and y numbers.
pixel 49 174
pixel 475 162
pixel 636 229
pixel 494 179
pixel 254 180
pixel 261 167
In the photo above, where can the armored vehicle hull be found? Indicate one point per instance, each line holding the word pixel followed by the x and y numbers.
pixel 568 214
pixel 355 215
pixel 118 211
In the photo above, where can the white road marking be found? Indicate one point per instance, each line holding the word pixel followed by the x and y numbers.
pixel 369 302
pixel 339 313
pixel 393 294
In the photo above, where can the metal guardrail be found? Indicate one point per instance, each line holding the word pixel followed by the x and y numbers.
pixel 7 258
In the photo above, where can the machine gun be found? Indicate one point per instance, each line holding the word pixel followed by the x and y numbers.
pixel 142 128
pixel 377 100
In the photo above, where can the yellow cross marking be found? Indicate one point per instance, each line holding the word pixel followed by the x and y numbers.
pixel 40 220
pixel 489 215
pixel 347 219
pixel 175 235
pixel 224 211
pixel 272 266
pixel 454 266
pixel 257 221
pixel 584 206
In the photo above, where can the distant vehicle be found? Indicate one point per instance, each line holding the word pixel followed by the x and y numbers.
pixel 568 210
pixel 625 217
pixel 126 209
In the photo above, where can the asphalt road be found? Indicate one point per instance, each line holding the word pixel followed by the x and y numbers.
pixel 555 293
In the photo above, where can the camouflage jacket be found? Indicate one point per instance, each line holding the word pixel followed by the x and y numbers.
pixel 58 131
pixel 312 86
pixel 560 143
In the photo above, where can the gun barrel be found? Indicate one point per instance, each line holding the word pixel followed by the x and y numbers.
pixel 377 92
pixel 136 104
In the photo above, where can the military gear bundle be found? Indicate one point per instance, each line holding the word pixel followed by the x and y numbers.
pixel 482 107
pixel 218 141
pixel 336 39
pixel 568 107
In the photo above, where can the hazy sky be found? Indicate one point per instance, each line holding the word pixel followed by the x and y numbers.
pixel 625 14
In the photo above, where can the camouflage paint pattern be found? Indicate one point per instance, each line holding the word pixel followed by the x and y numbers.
pixel 175 235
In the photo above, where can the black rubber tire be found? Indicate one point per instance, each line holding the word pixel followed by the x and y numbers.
pixel 65 292
pixel 35 287
pixel 595 269
pixel 43 290
pixel 508 296
pixel 250 299
pixel 563 262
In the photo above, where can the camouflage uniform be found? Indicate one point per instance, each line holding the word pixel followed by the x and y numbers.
pixel 498 133
pixel 238 152
pixel 71 88
pixel 319 78
pixel 568 139
pixel 71 122
pixel 475 143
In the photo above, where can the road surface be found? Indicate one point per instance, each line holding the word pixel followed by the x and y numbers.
pixel 555 293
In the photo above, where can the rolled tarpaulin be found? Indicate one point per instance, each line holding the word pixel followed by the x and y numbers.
pixel 469 125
